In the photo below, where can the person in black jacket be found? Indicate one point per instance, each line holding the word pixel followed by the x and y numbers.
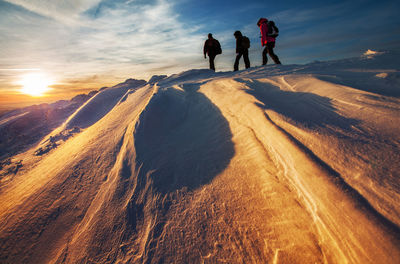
pixel 241 50
pixel 212 48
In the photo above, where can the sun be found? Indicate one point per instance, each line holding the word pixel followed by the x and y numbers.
pixel 35 84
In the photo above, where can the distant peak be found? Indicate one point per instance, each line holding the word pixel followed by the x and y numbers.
pixel 156 78
pixel 131 83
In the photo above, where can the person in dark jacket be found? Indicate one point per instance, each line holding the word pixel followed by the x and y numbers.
pixel 241 50
pixel 267 41
pixel 211 48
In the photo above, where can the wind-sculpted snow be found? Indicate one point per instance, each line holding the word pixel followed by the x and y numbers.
pixel 101 104
pixel 275 164
pixel 302 108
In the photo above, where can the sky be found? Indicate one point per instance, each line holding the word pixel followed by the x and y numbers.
pixel 83 45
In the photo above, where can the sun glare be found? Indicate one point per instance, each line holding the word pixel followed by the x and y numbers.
pixel 35 84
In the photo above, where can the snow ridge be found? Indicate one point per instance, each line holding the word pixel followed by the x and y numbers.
pixel 281 164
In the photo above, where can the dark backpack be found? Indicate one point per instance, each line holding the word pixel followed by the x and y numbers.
pixel 245 42
pixel 218 48
pixel 273 30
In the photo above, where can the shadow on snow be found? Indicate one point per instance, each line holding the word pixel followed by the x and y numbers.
pixel 305 109
pixel 182 140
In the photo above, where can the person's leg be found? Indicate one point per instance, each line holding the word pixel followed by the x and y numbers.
pixel 246 58
pixel 236 65
pixel 271 53
pixel 212 57
pixel 264 55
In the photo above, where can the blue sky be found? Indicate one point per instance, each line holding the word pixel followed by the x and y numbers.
pixel 84 44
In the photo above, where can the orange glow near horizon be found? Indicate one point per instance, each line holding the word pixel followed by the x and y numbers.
pixel 35 84
pixel 22 92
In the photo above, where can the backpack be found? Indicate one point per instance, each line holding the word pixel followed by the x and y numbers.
pixel 218 48
pixel 245 42
pixel 273 31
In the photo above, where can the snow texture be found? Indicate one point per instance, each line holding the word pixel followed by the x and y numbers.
pixel 274 164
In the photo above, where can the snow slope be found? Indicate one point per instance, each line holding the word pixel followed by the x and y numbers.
pixel 22 128
pixel 275 164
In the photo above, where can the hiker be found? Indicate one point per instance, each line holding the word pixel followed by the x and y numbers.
pixel 242 48
pixel 212 48
pixel 269 32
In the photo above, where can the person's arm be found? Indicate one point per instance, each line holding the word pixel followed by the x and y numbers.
pixel 205 49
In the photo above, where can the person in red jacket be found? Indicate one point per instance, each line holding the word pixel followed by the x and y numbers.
pixel 267 41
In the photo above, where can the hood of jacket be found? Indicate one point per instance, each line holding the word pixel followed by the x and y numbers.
pixel 261 21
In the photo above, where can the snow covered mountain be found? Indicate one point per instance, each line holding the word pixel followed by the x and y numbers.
pixel 23 128
pixel 274 164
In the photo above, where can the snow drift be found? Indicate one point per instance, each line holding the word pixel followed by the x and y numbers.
pixel 277 164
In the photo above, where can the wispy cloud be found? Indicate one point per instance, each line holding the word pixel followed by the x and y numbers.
pixel 117 39
pixel 65 11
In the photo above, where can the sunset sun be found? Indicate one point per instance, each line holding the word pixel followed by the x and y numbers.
pixel 35 84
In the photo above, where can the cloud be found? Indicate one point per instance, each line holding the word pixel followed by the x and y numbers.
pixel 141 35
pixel 118 38
pixel 65 11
